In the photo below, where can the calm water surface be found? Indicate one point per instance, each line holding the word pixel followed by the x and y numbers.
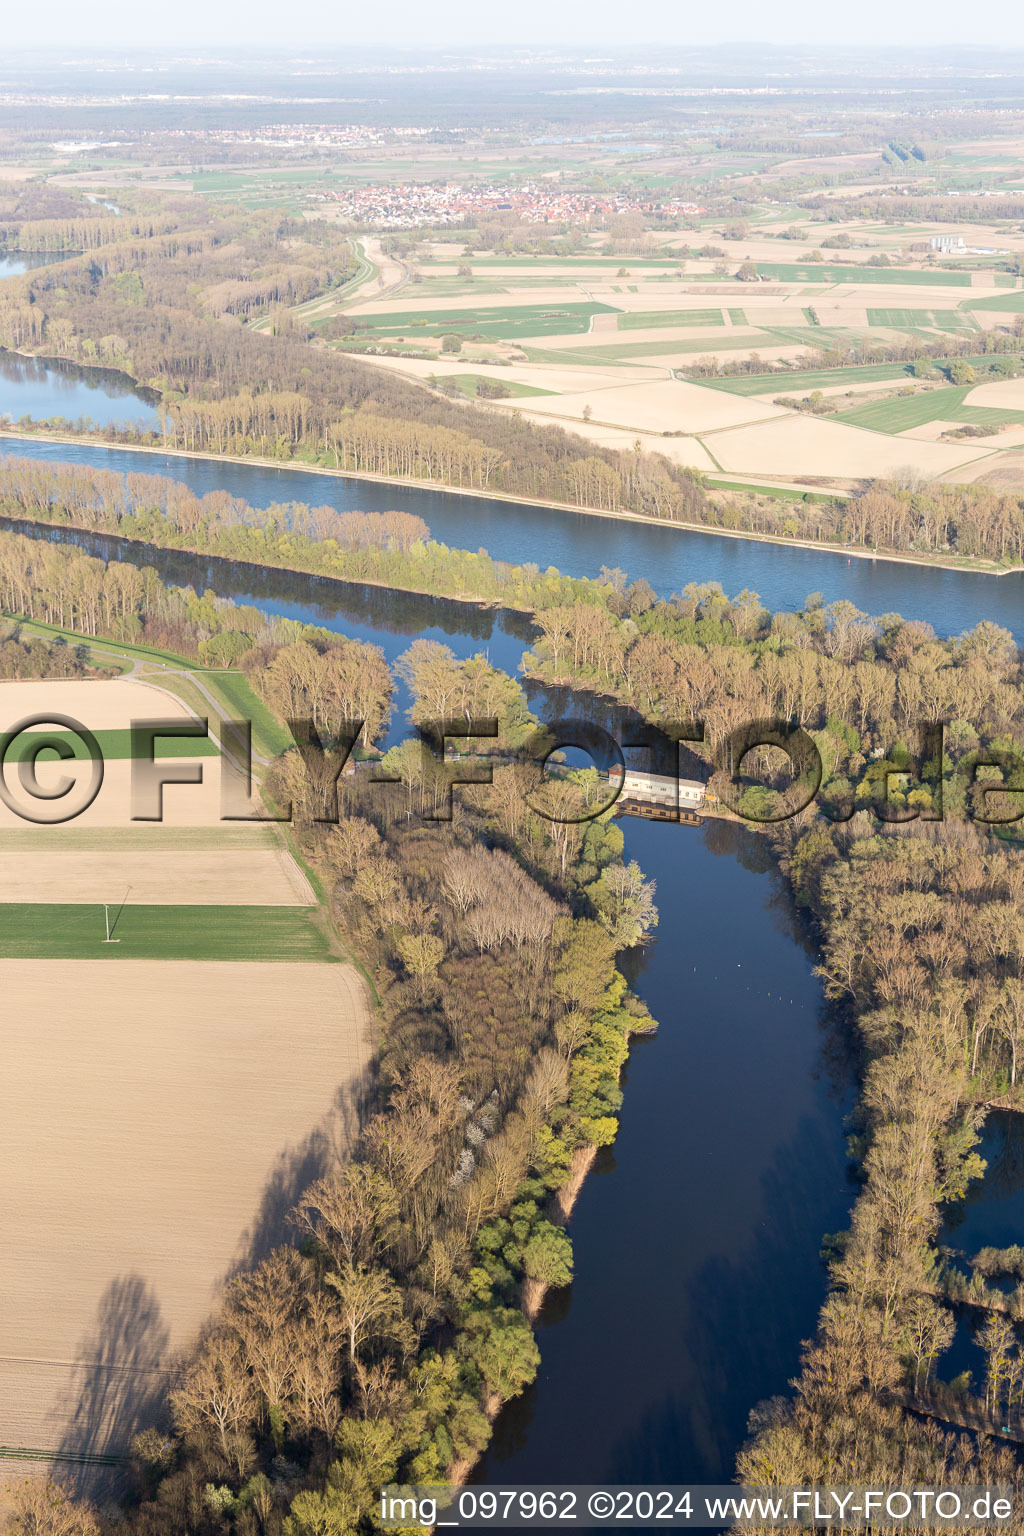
pixel 578 544
pixel 47 388
pixel 24 261
pixel 697 1238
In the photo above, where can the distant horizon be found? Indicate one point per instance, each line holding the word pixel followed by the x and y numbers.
pixel 199 24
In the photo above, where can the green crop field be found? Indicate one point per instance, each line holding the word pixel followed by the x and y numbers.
pixel 1008 303
pixel 897 415
pixel 637 351
pixel 467 383
pixel 937 319
pixel 824 272
pixel 823 378
pixel 38 931
pixel 515 320
pixel 818 336
pixel 808 378
pixel 112 745
pixel 664 317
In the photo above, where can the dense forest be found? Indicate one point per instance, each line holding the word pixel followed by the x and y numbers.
pixel 380 1341
pixel 168 309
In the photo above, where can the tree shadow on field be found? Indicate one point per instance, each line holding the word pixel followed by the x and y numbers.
pixel 120 1379
pixel 297 1167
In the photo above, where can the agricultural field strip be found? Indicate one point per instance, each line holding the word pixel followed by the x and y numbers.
pixel 900 415
pixel 637 320
pixel 179 932
pixel 113 744
pixel 936 319
pixel 803 379
pixel 800 444
pixel 102 705
pixel 813 272
pixel 398 317
pixel 154 877
pixel 139 1161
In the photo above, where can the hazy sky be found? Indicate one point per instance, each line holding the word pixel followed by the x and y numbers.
pixel 320 24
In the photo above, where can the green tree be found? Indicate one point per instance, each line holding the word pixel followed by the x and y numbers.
pixel 548 1254
pixel 502 1347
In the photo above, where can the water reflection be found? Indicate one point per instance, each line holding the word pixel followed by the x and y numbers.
pixel 24 261
pixel 48 388
pixel 697 1264
pixel 992 1213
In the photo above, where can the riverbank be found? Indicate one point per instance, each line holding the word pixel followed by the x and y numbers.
pixel 18 524
pixel 967 564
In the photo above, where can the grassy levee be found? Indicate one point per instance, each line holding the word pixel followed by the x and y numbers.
pixel 171 671
pixel 116 648
pixel 71 931
pixel 269 736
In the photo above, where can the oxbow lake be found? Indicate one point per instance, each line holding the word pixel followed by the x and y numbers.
pixel 47 388
pixel 16 263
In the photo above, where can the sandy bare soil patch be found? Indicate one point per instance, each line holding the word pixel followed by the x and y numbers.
pixel 668 405
pixel 242 877
pixel 1006 394
pixel 802 445
pixel 931 431
pixel 1001 471
pixel 687 451
pixel 184 805
pixel 540 375
pixel 99 704
pixel 155 1122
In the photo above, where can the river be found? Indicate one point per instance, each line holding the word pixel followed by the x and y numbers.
pixel 697 1236
pixel 579 544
